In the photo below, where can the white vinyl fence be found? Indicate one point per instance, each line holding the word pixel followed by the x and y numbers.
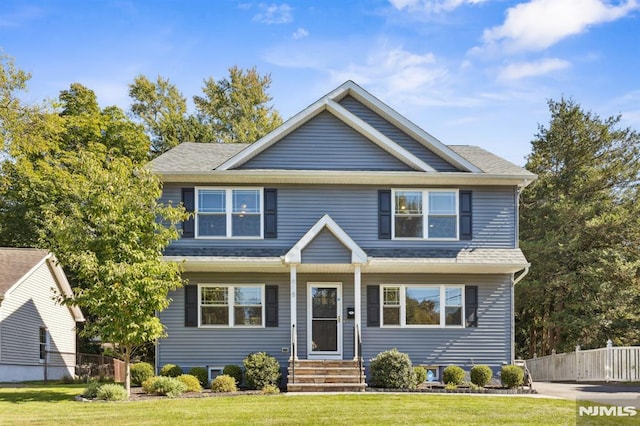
pixel 610 364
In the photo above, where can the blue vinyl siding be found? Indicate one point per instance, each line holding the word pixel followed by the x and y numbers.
pixel 326 248
pixel 354 208
pixel 489 343
pixel 325 143
pixel 397 135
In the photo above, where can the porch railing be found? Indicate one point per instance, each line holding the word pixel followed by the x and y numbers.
pixel 294 353
pixel 358 350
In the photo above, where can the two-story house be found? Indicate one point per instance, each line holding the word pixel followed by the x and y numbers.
pixel 345 232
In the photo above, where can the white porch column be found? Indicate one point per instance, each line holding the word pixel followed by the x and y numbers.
pixel 357 303
pixel 294 325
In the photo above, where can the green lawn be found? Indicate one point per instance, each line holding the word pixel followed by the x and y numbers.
pixel 40 404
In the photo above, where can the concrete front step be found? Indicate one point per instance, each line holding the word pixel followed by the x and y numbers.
pixel 325 376
pixel 326 387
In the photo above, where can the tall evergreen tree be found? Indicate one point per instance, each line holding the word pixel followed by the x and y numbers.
pixel 579 228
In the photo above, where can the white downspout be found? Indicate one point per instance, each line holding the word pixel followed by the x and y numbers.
pixel 513 312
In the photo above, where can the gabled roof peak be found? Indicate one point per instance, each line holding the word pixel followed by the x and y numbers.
pixel 358 256
pixel 330 103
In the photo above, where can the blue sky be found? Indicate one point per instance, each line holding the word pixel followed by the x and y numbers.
pixel 475 72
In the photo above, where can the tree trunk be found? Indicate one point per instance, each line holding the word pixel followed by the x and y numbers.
pixel 127 370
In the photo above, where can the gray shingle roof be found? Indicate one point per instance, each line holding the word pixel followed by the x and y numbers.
pixel 488 162
pixel 203 157
pixel 195 157
pixel 15 263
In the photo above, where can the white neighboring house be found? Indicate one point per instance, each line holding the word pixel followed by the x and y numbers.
pixel 37 334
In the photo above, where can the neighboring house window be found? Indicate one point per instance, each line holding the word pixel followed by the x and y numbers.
pixel 422 305
pixel 231 305
pixel 426 214
pixel 229 213
pixel 44 343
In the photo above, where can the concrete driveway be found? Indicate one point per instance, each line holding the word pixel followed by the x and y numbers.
pixel 604 393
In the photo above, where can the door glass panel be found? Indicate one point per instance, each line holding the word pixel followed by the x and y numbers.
pixel 324 336
pixel 325 302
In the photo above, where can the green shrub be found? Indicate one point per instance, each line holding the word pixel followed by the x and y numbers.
pixel 261 369
pixel 420 374
pixel 511 376
pixel 140 372
pixel 170 370
pixel 191 382
pixel 233 371
pixel 481 375
pixel 224 383
pixel 163 385
pixel 91 391
pixel 392 369
pixel 112 392
pixel 453 375
pixel 202 374
pixel 270 390
pixel 451 386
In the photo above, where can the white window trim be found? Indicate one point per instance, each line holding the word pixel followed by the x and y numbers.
pixel 47 344
pixel 425 213
pixel 403 305
pixel 228 212
pixel 231 293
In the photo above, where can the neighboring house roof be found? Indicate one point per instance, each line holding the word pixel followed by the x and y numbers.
pixel 17 264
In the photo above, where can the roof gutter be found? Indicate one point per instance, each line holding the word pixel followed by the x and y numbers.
pixel 522 275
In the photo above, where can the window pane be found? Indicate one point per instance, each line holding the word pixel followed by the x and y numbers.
pixel 392 296
pixel 453 296
pixel 442 227
pixel 408 226
pixel 247 315
pixel 408 202
pixel 324 302
pixel 214 296
pixel 212 225
pixel 248 296
pixel 211 201
pixel 442 203
pixel 246 201
pixel 214 315
pixel 391 316
pixel 453 315
pixel 245 225
pixel 423 306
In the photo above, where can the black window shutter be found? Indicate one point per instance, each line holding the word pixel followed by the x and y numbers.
pixel 384 214
pixel 190 305
pixel 188 200
pixel 471 305
pixel 466 231
pixel 373 306
pixel 271 305
pixel 271 213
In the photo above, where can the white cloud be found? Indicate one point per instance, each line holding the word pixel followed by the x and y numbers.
pixel 431 6
pixel 519 70
pixel 300 33
pixel 538 24
pixel 274 14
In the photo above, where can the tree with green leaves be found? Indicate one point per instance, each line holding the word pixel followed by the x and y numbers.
pixel 74 182
pixel 237 109
pixel 162 110
pixel 580 230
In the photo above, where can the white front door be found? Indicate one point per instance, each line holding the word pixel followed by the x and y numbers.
pixel 324 322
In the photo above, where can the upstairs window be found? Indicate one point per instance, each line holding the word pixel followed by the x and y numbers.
pixel 425 214
pixel 229 213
